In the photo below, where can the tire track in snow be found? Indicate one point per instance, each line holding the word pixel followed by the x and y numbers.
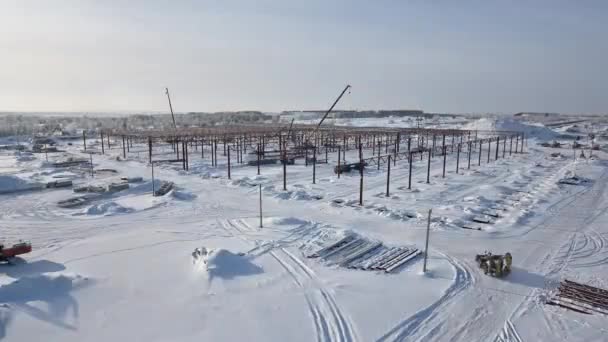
pixel 579 217
pixel 431 316
pixel 509 333
pixel 328 319
pixel 330 322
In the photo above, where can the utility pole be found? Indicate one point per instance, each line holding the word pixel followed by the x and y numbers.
pixel 426 246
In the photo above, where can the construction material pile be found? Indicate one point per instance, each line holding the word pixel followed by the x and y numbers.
pixel 359 253
pixel 580 298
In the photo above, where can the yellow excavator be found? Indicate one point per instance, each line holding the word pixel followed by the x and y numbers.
pixel 496 265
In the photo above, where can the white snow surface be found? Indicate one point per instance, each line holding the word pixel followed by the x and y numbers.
pixel 120 266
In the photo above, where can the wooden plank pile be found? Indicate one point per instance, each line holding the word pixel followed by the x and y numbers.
pixel 359 253
pixel 580 298
pixel 164 188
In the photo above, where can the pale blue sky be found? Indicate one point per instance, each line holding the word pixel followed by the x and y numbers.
pixel 446 56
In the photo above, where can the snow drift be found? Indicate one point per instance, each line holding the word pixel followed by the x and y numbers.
pixel 11 183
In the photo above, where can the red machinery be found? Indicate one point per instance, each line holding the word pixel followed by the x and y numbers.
pixel 7 254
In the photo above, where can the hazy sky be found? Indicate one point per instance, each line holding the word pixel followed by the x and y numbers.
pixel 447 56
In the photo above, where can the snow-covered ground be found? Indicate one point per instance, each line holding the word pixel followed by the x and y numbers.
pixel 121 266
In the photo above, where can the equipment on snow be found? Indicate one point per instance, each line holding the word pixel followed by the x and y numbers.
pixel 9 254
pixel 494 264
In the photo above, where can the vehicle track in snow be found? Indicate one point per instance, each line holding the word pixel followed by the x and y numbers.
pixel 329 321
pixel 426 323
pixel 583 246
pixel 509 333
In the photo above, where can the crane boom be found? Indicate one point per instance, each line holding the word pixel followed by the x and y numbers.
pixel 332 107
pixel 170 107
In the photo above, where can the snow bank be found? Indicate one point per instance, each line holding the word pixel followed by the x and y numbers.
pixel 291 221
pixel 300 195
pixel 12 183
pixel 105 209
pixel 483 124
pixel 536 131
pixel 224 264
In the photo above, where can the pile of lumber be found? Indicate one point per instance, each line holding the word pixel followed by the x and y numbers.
pixel 355 252
pixel 580 298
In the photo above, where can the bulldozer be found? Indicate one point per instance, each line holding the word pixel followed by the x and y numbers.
pixel 496 265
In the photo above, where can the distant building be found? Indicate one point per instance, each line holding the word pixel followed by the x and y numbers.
pixel 535 114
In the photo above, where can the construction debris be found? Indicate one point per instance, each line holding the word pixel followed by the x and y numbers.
pixel 580 298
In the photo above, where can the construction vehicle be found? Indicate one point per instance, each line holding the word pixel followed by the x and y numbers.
pixel 494 264
pixel 9 254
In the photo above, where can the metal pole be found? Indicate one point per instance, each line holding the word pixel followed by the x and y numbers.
pixel 91 158
pixel 84 139
pixel 480 148
pixel 184 154
pixel 102 147
pixel 378 158
pixel 497 145
pixel 259 160
pixel 457 158
pixel 261 225
pixel 339 170
pixel 489 148
pixel 445 153
pixel 388 176
pixel 228 162
pixel 361 173
pixel 409 183
pixel 124 148
pixel 314 165
pixel 469 163
pixel 153 189
pixel 150 149
pixel 428 169
pixel 426 245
